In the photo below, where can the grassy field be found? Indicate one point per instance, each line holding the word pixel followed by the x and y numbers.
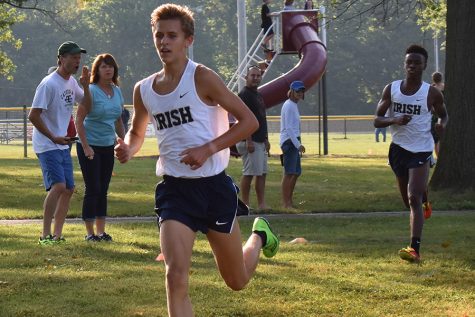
pixel 350 181
pixel 354 144
pixel 349 267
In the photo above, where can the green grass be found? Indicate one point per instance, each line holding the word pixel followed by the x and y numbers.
pixel 349 268
pixel 358 183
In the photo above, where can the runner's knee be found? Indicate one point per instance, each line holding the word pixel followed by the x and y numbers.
pixel 236 284
pixel 415 198
pixel 177 278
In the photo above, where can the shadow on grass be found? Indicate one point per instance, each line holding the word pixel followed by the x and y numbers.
pixel 326 185
pixel 352 262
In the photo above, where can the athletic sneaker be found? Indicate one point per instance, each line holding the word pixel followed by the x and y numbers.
pixel 58 240
pixel 48 240
pixel 271 246
pixel 104 237
pixel 427 208
pixel 92 238
pixel 410 255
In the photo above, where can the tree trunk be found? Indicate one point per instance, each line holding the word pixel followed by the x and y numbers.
pixel 455 167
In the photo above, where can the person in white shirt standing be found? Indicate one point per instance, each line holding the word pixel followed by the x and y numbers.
pixel 50 115
pixel 290 143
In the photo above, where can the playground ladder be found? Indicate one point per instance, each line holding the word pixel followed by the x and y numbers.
pixel 254 54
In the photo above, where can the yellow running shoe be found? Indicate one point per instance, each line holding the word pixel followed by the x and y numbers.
pixel 410 255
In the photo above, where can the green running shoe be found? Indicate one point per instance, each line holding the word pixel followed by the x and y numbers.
pixel 58 240
pixel 48 240
pixel 271 246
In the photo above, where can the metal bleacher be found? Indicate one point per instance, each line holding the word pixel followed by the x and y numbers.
pixel 12 124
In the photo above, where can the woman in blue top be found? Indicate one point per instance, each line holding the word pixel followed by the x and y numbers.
pixel 97 128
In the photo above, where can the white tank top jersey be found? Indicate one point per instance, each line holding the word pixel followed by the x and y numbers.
pixel 181 121
pixel 415 136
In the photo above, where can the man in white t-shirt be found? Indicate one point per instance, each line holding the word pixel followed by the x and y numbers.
pixel 50 113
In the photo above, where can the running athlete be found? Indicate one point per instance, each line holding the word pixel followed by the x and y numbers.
pixel 410 102
pixel 187 104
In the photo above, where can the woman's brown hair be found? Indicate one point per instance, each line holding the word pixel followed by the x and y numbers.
pixel 109 60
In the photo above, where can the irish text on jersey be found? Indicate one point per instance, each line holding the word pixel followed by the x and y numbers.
pixel 407 108
pixel 172 118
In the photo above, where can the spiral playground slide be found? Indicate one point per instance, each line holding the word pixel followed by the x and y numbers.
pixel 299 36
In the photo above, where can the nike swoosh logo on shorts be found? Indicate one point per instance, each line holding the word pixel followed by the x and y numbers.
pixel 220 223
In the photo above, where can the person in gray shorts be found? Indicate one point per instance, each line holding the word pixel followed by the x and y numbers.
pixel 254 150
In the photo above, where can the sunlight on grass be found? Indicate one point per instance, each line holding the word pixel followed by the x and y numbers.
pixel 344 270
pixel 357 183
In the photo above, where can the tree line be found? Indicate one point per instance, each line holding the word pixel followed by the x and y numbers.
pixel 366 41
pixel 362 54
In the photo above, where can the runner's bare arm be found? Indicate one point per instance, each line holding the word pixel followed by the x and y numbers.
pixel 380 121
pixel 212 91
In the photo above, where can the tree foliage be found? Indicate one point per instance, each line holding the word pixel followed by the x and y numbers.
pixel 433 16
pixel 14 12
pixel 366 41
pixel 8 17
pixel 122 28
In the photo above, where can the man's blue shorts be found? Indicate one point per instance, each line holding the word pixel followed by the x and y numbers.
pixel 57 167
pixel 291 158
pixel 199 203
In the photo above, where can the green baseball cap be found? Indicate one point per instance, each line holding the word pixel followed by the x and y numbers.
pixel 70 48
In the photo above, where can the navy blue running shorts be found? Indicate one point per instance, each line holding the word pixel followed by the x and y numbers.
pixel 401 160
pixel 199 203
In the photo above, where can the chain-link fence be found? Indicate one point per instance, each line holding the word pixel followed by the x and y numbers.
pixel 335 124
pixel 15 127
